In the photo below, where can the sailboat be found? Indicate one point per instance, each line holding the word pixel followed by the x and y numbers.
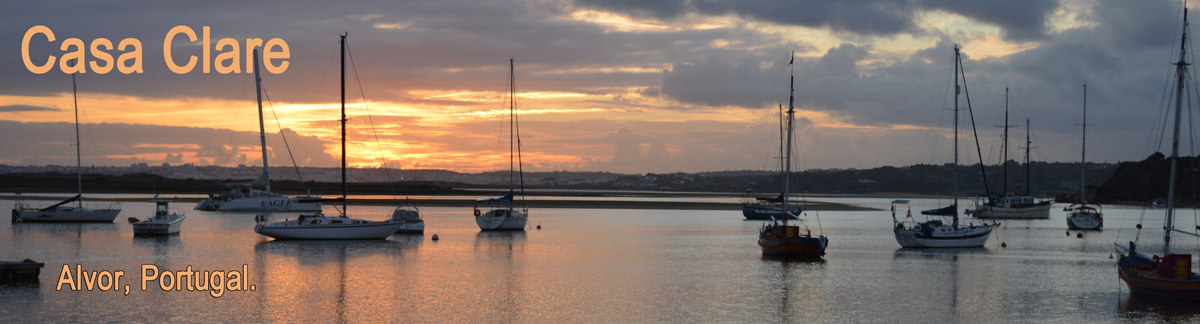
pixel 1084 216
pixel 934 233
pixel 1008 206
pixel 72 209
pixel 318 226
pixel 503 213
pixel 768 208
pixel 243 196
pixel 778 239
pixel 1169 275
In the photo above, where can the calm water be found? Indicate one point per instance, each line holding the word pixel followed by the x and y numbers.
pixel 592 265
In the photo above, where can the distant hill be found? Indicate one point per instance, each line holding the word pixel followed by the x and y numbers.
pixel 1049 179
pixel 1143 181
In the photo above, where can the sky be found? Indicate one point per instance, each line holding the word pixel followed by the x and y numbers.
pixel 601 85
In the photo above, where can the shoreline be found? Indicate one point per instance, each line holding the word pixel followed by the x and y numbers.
pixel 587 204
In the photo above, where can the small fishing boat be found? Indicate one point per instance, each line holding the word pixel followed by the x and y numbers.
pixel 71 209
pixel 504 213
pixel 409 217
pixel 934 233
pixel 1084 216
pixel 163 222
pixel 1169 275
pixel 778 239
pixel 318 226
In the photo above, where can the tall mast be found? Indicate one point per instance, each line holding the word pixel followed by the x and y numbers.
pixel 787 172
pixel 1004 187
pixel 1028 145
pixel 781 131
pixel 342 43
pixel 262 131
pixel 511 143
pixel 512 78
pixel 956 91
pixel 1180 74
pixel 1083 153
pixel 78 155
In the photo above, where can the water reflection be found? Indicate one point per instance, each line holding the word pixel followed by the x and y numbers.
pixel 502 278
pixel 1169 310
pixel 783 268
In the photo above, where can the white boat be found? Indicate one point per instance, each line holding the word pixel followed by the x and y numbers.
pixel 318 226
pixel 409 217
pixel 503 213
pixel 243 197
pixel 321 227
pixel 933 233
pixel 65 211
pixel 163 222
pixel 1008 206
pixel 1012 207
pixel 1084 216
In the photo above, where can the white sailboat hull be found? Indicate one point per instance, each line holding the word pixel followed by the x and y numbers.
pixel 156 226
pixel 965 237
pixel 67 214
pixel 351 230
pixel 1084 221
pixel 502 220
pixel 267 204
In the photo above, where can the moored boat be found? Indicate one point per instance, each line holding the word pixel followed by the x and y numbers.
pixel 778 239
pixel 1084 216
pixel 162 222
pixel 72 209
pixel 1169 275
pixel 505 213
pixel 318 226
pixel 934 233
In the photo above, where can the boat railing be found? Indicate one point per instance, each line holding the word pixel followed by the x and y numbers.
pixel 104 206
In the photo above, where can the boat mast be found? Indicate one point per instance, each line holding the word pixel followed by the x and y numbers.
pixel 781 130
pixel 516 126
pixel 1180 73
pixel 956 91
pixel 262 131
pixel 1083 154
pixel 511 144
pixel 787 173
pixel 342 43
pixel 78 155
pixel 1004 187
pixel 1028 145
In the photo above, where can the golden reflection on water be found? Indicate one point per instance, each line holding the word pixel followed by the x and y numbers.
pixel 583 266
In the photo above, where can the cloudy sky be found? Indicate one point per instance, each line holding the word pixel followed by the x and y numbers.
pixel 602 85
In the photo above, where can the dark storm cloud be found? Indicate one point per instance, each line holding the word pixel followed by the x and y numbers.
pixel 1123 57
pixel 396 46
pixel 1019 20
pixel 18 108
